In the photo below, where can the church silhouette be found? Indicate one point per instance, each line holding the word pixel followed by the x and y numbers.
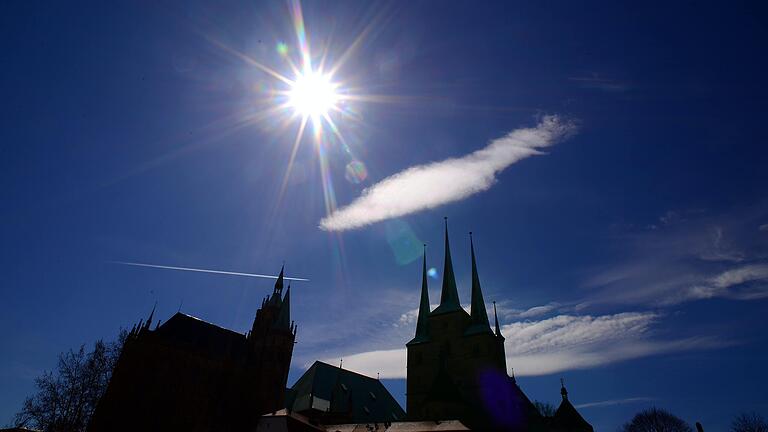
pixel 190 375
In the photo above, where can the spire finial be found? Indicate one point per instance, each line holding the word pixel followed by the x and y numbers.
pixel 514 380
pixel 563 391
pixel 341 363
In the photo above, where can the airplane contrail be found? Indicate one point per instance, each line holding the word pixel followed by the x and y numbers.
pixel 206 271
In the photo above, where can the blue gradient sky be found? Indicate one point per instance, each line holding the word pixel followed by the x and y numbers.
pixel 645 234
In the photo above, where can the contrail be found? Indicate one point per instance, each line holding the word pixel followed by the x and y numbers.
pixel 206 271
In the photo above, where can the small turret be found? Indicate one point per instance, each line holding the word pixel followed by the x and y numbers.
pixel 496 319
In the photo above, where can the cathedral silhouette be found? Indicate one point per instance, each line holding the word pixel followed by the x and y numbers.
pixel 190 375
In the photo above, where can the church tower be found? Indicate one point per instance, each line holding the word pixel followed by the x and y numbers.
pixel 270 342
pixel 455 356
pixel 191 375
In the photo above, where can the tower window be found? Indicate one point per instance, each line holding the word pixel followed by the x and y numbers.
pixel 344 387
pixel 373 396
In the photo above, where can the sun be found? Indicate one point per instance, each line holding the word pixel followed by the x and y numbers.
pixel 312 94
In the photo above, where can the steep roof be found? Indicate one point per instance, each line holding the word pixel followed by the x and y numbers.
pixel 206 338
pixel 370 401
pixel 566 417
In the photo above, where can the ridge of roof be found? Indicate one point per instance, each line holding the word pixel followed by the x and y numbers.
pixel 202 321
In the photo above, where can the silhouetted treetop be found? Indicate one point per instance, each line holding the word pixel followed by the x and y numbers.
pixel 749 422
pixel 656 420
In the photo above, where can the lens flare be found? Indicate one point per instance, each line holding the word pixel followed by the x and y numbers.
pixel 406 247
pixel 356 172
pixel 282 49
pixel 432 272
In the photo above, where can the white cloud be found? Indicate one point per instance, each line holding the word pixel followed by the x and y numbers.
pixel 427 186
pixel 564 342
pixel 567 342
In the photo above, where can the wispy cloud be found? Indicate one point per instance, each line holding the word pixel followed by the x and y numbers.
pixel 568 342
pixel 563 342
pixel 686 257
pixel 612 402
pixel 428 186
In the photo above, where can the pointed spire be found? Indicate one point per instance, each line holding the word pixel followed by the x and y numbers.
pixel 496 318
pixel 151 314
pixel 563 391
pixel 284 317
pixel 279 281
pixel 449 296
pixel 478 312
pixel 422 324
pixel 275 299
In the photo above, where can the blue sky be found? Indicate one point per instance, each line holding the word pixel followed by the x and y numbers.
pixel 629 256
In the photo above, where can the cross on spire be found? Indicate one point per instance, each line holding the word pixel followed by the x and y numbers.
pixel 563 391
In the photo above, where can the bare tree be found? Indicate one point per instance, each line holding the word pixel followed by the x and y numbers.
pixel 749 422
pixel 65 401
pixel 546 409
pixel 656 420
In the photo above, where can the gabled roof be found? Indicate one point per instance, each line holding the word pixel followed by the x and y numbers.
pixel 193 333
pixel 370 401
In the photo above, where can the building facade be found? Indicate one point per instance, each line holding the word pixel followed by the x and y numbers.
pixel 456 364
pixel 190 375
